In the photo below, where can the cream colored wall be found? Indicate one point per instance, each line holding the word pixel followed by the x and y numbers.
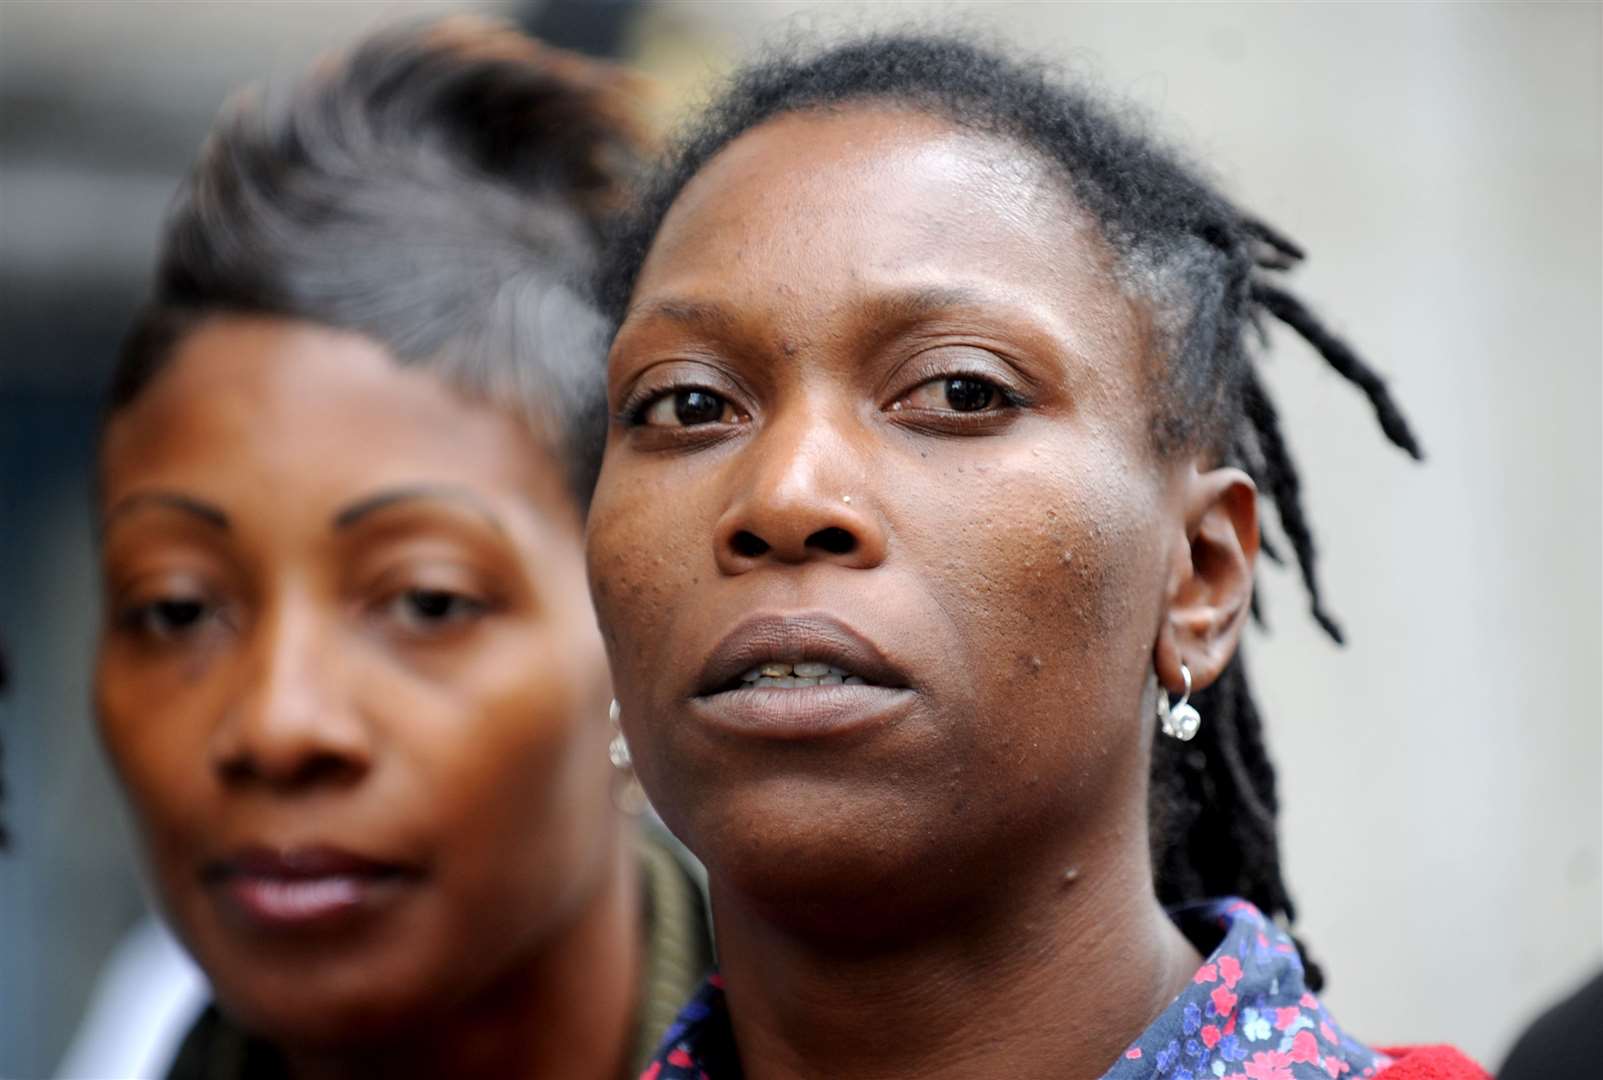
pixel 1441 164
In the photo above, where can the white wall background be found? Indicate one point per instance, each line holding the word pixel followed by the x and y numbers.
pixel 1441 164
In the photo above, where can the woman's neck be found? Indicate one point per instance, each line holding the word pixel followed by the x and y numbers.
pixel 568 1010
pixel 1054 980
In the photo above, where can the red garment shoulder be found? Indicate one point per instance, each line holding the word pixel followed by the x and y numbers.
pixel 1429 1063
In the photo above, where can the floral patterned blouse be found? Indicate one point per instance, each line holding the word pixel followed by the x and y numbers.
pixel 1246 1016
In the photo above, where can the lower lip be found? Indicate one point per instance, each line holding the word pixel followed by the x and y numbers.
pixel 304 903
pixel 804 712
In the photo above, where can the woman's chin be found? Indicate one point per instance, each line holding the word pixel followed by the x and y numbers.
pixel 830 861
pixel 326 1019
pixel 327 999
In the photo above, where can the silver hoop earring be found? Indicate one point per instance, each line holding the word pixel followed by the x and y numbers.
pixel 618 748
pixel 1181 721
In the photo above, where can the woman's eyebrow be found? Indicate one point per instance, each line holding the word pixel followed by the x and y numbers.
pixel 354 512
pixel 901 304
pixel 703 314
pixel 908 305
pixel 171 500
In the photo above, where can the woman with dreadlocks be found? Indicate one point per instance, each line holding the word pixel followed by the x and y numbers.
pixel 923 545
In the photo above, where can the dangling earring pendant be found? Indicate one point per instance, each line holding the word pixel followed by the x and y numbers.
pixel 627 794
pixel 1180 721
pixel 618 748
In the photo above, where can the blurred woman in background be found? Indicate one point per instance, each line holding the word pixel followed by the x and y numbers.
pixel 349 674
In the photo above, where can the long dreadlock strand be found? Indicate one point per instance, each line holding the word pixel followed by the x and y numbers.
pixel 1284 488
pixel 1289 310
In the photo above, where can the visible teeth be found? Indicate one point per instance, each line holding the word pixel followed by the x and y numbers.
pixel 855 680
pixel 806 673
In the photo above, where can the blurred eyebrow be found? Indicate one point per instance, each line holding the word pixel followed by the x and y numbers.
pixel 171 500
pixel 384 500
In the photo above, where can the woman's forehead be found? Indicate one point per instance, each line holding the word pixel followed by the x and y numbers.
pixel 869 166
pixel 313 408
pixel 817 213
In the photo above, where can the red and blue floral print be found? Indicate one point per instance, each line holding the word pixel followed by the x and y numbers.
pixel 1247 1015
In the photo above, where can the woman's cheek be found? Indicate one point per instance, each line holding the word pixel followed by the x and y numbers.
pixel 633 558
pixel 1052 571
pixel 1041 557
pixel 156 755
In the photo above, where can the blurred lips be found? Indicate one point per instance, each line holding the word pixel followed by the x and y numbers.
pixel 303 888
pixel 726 697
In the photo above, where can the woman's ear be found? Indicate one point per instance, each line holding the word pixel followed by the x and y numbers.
pixel 1210 578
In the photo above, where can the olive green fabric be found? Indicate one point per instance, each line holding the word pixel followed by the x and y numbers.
pixel 678 955
pixel 679 949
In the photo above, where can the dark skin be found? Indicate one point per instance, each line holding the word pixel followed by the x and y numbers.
pixel 962 886
pixel 345 610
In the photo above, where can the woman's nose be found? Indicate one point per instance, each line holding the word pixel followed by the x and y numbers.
pixel 289 723
pixel 802 496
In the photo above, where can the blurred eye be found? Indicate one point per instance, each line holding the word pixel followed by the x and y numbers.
pixel 687 408
pixel 964 394
pixel 168 618
pixel 433 611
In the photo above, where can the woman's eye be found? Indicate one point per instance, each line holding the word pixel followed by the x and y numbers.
pixel 433 610
pixel 687 408
pixel 169 618
pixel 957 393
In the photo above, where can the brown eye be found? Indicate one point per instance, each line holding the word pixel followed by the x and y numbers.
pixel 687 408
pixel 952 394
pixel 426 611
pixel 969 395
pixel 168 618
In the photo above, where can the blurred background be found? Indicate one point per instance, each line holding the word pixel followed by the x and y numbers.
pixel 1440 162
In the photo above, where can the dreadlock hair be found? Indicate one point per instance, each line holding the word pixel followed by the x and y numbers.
pixel 1206 270
pixel 442 190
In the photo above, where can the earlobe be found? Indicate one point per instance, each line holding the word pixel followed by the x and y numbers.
pixel 1210 587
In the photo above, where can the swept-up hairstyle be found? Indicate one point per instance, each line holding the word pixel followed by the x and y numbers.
pixel 1206 269
pixel 442 190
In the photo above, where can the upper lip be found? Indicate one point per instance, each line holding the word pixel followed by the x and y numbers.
pixel 299 863
pixel 791 639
